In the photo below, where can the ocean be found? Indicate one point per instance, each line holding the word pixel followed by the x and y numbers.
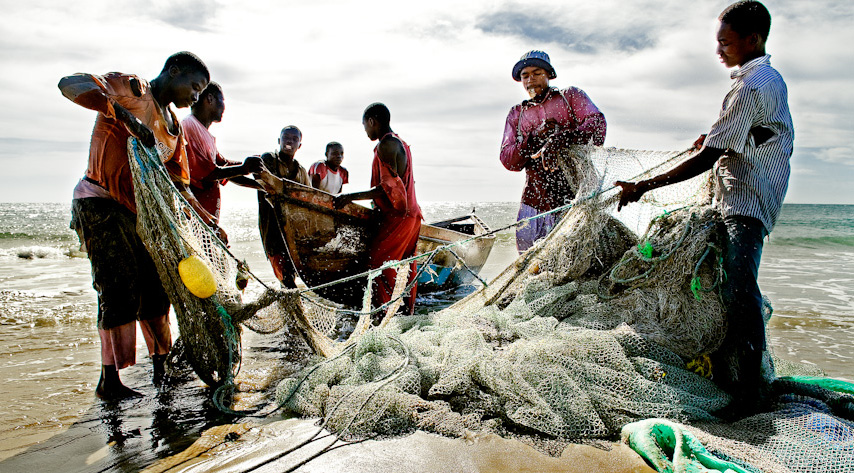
pixel 49 348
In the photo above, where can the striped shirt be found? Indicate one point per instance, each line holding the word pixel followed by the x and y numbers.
pixel 755 130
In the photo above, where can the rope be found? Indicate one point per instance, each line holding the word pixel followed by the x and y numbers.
pixel 379 384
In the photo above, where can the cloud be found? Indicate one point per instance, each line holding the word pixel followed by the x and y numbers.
pixel 838 155
pixel 547 27
pixel 193 15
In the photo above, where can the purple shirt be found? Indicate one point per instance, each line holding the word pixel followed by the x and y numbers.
pixel 576 115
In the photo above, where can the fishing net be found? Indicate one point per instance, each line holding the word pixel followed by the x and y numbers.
pixel 607 321
pixel 210 327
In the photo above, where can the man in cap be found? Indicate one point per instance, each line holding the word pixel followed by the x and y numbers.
pixel 535 132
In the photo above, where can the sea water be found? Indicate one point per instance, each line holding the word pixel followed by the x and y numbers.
pixel 49 348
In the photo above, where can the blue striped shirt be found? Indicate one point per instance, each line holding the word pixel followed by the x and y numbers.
pixel 755 128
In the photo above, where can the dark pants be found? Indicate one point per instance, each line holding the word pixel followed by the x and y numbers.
pixel 745 338
pixel 123 273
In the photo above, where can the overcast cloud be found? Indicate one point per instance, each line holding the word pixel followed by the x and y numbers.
pixel 442 67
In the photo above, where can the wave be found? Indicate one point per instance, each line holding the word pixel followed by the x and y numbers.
pixel 830 241
pixel 46 236
pixel 42 252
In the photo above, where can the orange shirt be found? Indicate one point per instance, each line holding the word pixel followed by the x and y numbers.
pixel 108 156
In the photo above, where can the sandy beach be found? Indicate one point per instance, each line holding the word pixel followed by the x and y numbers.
pixel 52 419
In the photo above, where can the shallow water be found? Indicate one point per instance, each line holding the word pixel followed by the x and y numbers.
pixel 49 358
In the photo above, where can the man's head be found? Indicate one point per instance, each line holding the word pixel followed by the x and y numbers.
pixel 290 140
pixel 184 76
pixel 744 28
pixel 533 70
pixel 376 120
pixel 211 104
pixel 334 154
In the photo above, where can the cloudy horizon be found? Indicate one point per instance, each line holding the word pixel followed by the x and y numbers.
pixel 443 69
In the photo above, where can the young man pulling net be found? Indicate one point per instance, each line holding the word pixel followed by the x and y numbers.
pixel 749 149
pixel 104 207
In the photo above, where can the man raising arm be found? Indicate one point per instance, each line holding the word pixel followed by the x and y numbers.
pixel 104 207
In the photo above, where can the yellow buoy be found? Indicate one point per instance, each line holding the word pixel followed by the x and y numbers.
pixel 197 277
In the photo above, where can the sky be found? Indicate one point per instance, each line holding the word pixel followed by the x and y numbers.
pixel 442 67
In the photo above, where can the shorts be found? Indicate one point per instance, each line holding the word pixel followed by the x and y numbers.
pixel 528 233
pixel 123 273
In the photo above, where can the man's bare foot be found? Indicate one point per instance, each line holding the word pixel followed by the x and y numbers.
pixel 110 387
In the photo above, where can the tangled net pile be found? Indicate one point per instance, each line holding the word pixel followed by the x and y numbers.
pixel 593 328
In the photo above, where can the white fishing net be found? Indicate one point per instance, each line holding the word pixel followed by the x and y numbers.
pixel 593 328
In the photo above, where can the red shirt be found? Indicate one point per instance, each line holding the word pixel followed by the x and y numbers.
pixel 203 158
pixel 575 113
pixel 399 200
pixel 330 181
pixel 108 154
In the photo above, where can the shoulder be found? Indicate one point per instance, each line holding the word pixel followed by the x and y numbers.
pixel 514 111
pixel 317 167
pixel 572 92
pixel 191 125
pixel 762 77
pixel 129 85
pixel 268 158
pixel 390 144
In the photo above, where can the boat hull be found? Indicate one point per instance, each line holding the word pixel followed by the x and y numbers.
pixel 460 264
pixel 328 244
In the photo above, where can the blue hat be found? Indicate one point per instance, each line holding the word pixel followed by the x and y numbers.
pixel 533 58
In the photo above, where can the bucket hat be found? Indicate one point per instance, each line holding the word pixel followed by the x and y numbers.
pixel 533 58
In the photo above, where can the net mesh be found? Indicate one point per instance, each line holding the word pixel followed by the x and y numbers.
pixel 591 329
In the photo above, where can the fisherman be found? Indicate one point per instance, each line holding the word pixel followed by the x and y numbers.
pixel 535 132
pixel 393 192
pixel 330 176
pixel 104 207
pixel 207 166
pixel 279 164
pixel 748 148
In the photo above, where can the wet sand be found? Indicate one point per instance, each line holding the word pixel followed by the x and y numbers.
pixel 178 429
pixel 260 447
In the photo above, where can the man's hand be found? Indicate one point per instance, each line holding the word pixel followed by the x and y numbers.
pixel 135 126
pixel 341 200
pixel 631 192
pixel 268 182
pixel 698 145
pixel 220 233
pixel 546 129
pixel 252 165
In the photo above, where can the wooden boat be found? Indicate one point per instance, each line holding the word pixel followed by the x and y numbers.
pixel 457 265
pixel 328 244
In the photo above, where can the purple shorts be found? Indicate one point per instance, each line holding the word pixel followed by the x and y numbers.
pixel 527 234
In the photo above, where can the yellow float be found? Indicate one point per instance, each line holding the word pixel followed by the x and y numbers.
pixel 197 276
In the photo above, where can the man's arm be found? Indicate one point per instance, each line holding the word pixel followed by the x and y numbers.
pixel 512 156
pixel 391 153
pixel 691 167
pixel 244 181
pixel 93 92
pixel 251 165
